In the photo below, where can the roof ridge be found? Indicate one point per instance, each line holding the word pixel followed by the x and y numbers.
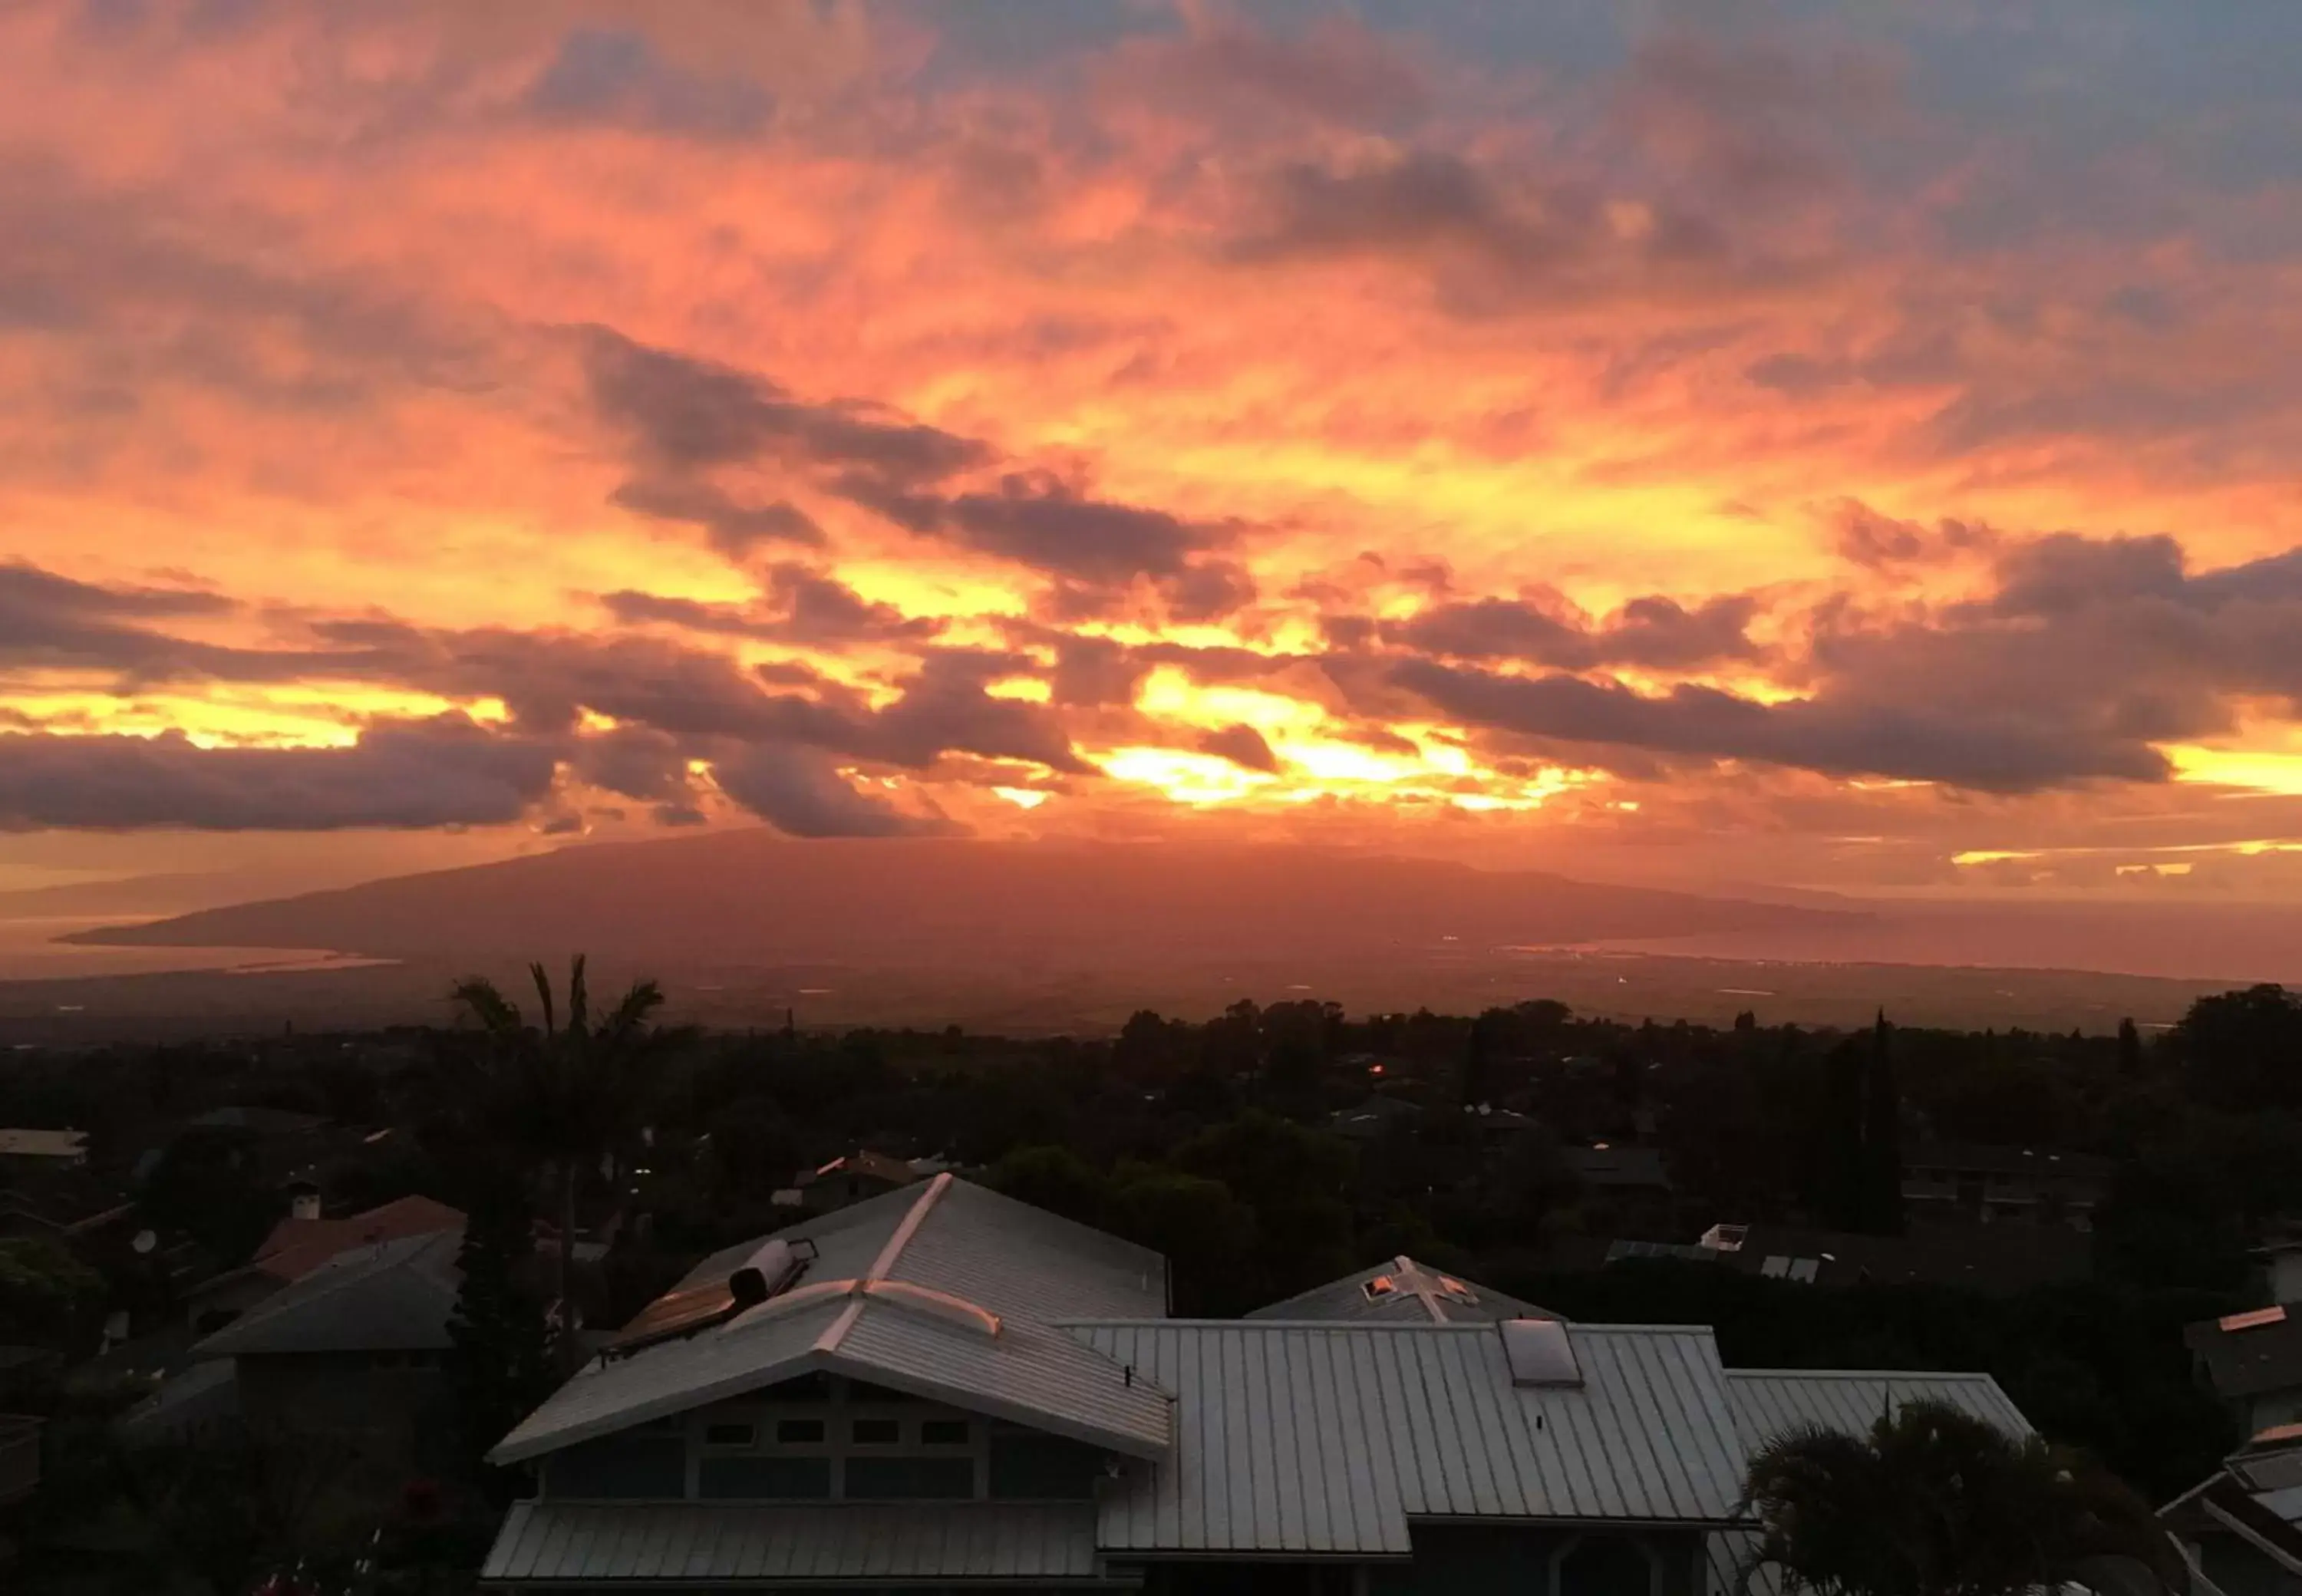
pixel 1861 1374
pixel 890 1254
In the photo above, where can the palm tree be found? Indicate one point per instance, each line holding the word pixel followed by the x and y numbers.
pixel 564 1095
pixel 1934 1502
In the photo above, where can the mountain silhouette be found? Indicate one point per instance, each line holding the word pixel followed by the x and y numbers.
pixel 756 897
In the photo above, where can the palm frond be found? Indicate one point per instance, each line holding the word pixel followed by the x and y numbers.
pixel 579 999
pixel 543 994
pixel 479 998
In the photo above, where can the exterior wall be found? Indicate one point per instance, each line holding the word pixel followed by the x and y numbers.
pixel 2238 1569
pixel 826 1439
pixel 1473 1560
pixel 2266 1409
pixel 1462 1559
pixel 395 1413
pixel 2285 1273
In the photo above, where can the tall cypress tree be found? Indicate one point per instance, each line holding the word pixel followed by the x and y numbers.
pixel 500 1363
pixel 1881 1205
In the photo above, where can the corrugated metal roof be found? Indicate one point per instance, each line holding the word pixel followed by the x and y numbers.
pixel 948 1236
pixel 1768 1402
pixel 542 1544
pixel 393 1297
pixel 1325 1437
pixel 1419 1295
pixel 1022 1261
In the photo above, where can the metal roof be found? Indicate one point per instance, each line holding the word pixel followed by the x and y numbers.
pixel 932 1293
pixel 1420 1294
pixel 1768 1402
pixel 544 1544
pixel 1311 1438
pixel 393 1297
pixel 20 1143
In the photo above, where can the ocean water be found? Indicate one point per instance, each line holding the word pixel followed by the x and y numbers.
pixel 29 952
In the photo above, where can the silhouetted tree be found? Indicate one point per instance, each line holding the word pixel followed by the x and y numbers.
pixel 1881 1207
pixel 2129 1049
pixel 564 1095
pixel 500 1365
pixel 2243 1050
pixel 1933 1502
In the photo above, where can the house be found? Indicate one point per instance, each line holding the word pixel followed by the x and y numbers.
pixel 20 1457
pixel 2241 1526
pixel 1608 1167
pixel 1400 1290
pixel 350 1353
pixel 849 1179
pixel 39 1152
pixel 941 1387
pixel 2253 1361
pixel 2028 1185
pixel 1376 1117
pixel 303 1241
pixel 1769 1403
pixel 1998 1261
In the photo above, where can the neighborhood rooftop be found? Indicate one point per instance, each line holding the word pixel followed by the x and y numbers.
pixel 711 1443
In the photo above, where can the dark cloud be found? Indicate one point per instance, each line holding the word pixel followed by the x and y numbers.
pixel 800 606
pixel 634 761
pixel 1339 73
pixel 689 413
pixel 47 619
pixel 945 707
pixel 443 772
pixel 1749 117
pixel 1208 591
pixel 1243 747
pixel 1091 672
pixel 615 77
pixel 2066 573
pixel 797 790
pixel 1038 519
pixel 1492 245
pixel 2007 755
pixel 1865 537
pixel 737 530
pixel 1653 632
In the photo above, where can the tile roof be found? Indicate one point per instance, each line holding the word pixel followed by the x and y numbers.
pixel 729 1545
pixel 1418 1294
pixel 393 1297
pixel 297 1246
pixel 942 1289
pixel 1327 1438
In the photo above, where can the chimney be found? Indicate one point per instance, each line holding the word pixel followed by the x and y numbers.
pixel 302 1200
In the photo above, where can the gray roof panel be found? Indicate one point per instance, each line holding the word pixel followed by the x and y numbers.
pixel 544 1544
pixel 1328 1438
pixel 1768 1402
pixel 390 1297
pixel 897 1297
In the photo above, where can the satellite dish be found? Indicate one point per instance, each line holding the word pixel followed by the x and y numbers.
pixel 144 1241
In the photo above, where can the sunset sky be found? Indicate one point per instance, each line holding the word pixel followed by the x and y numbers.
pixel 1849 446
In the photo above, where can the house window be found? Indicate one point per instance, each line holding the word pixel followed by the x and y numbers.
pixel 944 1432
pixel 875 1432
pixel 909 1479
pixel 730 1435
pixel 1604 1566
pixel 799 1432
